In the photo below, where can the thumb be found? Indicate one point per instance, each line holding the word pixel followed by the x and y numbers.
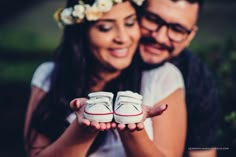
pixel 157 110
pixel 77 103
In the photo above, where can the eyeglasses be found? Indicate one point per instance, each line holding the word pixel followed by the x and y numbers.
pixel 153 23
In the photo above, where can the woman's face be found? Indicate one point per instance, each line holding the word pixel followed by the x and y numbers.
pixel 114 37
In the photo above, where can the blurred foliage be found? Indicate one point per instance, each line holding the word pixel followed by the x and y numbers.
pixel 17 71
pixel 221 58
pixel 25 41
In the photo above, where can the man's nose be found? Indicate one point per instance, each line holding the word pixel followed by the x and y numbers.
pixel 161 35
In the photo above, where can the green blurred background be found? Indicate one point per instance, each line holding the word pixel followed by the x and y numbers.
pixel 29 35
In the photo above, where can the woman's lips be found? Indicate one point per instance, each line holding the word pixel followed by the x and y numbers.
pixel 119 52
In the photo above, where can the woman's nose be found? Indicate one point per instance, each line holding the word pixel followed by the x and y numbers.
pixel 122 36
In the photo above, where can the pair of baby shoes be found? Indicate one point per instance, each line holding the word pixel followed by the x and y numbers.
pixel 127 107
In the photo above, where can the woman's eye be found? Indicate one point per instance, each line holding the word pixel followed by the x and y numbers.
pixel 131 22
pixel 104 28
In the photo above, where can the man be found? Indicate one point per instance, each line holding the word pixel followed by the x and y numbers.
pixel 168 27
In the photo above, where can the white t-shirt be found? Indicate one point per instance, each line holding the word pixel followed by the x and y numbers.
pixel 156 85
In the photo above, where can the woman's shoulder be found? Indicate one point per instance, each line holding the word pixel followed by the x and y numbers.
pixel 160 82
pixel 46 65
pixel 42 75
pixel 166 71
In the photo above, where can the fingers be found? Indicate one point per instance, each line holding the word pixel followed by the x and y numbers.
pixel 156 110
pixel 113 125
pixel 77 103
pixel 85 122
pixel 131 127
pixel 108 126
pixel 101 126
pixel 121 126
pixel 140 126
pixel 137 126
pixel 73 104
pixel 95 125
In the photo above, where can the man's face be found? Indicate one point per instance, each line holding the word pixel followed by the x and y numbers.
pixel 167 27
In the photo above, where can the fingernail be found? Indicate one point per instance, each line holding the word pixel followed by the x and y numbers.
pixel 164 107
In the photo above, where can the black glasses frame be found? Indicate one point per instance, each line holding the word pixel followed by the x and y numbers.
pixel 170 26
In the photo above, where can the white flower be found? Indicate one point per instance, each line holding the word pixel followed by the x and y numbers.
pixel 66 16
pixel 138 2
pixel 79 11
pixel 104 5
pixel 117 1
pixel 92 13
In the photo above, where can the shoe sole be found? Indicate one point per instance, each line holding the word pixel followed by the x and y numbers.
pixel 99 117
pixel 128 119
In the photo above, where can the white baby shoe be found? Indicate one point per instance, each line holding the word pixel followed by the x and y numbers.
pixel 128 107
pixel 99 107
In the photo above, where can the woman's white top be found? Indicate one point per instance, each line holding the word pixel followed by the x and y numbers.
pixel 156 85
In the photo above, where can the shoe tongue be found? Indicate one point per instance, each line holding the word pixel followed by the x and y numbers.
pixel 98 100
pixel 101 94
pixel 130 95
pixel 130 100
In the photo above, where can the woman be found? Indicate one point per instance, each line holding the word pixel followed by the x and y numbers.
pixel 83 63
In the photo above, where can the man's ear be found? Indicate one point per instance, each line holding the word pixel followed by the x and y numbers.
pixel 191 35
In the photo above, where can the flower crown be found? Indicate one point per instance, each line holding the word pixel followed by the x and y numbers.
pixel 81 11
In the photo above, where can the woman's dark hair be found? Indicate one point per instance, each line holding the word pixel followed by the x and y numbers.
pixel 72 77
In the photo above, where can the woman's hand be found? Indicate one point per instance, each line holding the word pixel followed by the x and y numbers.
pixel 78 106
pixel 149 112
